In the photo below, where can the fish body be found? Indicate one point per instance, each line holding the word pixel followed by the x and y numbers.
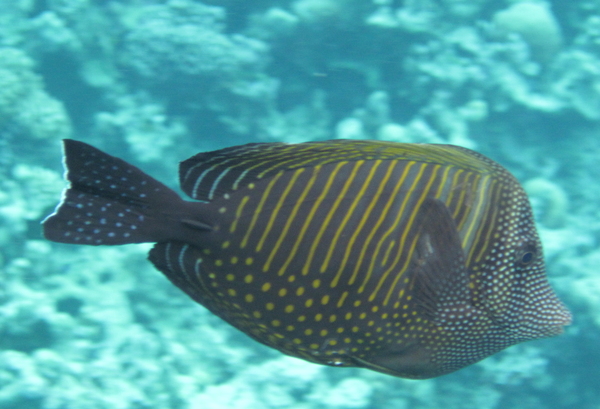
pixel 413 260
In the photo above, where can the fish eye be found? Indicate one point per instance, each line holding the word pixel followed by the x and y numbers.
pixel 527 255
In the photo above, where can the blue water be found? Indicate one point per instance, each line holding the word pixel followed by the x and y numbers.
pixel 154 82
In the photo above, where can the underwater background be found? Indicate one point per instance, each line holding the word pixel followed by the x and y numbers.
pixel 155 82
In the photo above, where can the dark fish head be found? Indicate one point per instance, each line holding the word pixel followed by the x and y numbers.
pixel 510 299
pixel 514 285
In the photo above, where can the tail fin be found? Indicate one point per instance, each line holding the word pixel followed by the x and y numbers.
pixel 109 201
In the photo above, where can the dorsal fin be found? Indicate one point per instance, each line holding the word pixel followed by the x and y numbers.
pixel 210 174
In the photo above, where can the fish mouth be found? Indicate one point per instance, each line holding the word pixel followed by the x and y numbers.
pixel 559 321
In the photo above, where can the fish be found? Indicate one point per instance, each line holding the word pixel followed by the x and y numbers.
pixel 413 260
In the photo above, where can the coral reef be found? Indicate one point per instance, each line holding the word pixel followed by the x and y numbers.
pixel 159 80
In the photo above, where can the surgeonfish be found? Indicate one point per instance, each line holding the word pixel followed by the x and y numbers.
pixel 414 260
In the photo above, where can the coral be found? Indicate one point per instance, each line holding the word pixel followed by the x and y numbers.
pixel 25 106
pixel 536 24
pixel 550 200
pixel 182 42
pixel 156 81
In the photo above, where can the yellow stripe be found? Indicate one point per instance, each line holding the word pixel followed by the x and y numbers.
pixel 336 204
pixel 372 203
pixel 384 212
pixel 476 212
pixel 340 302
pixel 293 152
pixel 387 253
pixel 453 188
pixel 466 187
pixel 402 270
pixel 290 219
pixel 488 237
pixel 258 209
pixel 443 180
pixel 238 213
pixel 407 229
pixel 348 213
pixel 317 238
pixel 310 216
pixel 276 210
pixel 394 225
pixel 467 200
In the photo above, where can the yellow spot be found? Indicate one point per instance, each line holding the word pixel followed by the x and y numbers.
pixel 275 323
pixel 384 315
pixel 308 331
pixel 397 304
pixel 316 283
pixel 325 300
pixel 279 336
pixel 299 291
pixel 340 330
pixel 248 279
pixel 362 315
pixel 249 298
pixel 318 317
pixel 354 349
pixel 302 318
pixel 256 314
pixel 206 251
pixel 323 332
pixel 309 302
pixel 289 308
pixel 249 261
pixel 218 262
pixel 332 318
pixel 292 278
pixel 282 292
pixel 234 260
pixel 251 185
pixel 270 306
pixel 214 284
pixel 212 276
pixel 232 292
pixel 225 244
pixel 266 287
pixel 347 340
pixel 357 303
pixel 230 277
pixel 290 328
pixel 375 308
pixel 371 323
pixel 332 342
pixel 314 346
pixel 471 285
pixel 222 210
pixel 297 341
